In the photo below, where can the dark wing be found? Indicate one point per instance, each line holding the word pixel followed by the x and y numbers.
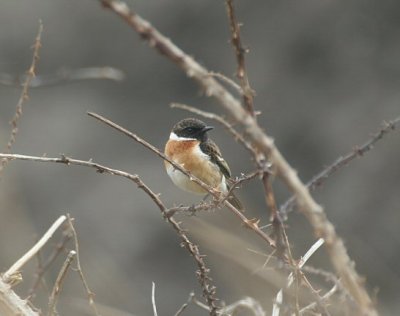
pixel 211 149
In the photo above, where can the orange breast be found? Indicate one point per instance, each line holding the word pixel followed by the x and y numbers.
pixel 190 157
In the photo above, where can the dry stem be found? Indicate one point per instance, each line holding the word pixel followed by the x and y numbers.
pixel 55 293
pixel 65 75
pixel 16 267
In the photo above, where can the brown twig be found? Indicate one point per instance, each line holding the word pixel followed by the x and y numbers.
pixel 55 293
pixel 24 94
pixel 241 72
pixel 89 292
pixel 341 162
pixel 276 221
pixel 64 75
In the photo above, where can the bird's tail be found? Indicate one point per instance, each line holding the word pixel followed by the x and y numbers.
pixel 232 198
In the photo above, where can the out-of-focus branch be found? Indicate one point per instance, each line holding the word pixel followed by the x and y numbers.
pixel 343 161
pixel 24 93
pixel 58 248
pixel 55 293
pixel 64 75
pixel 16 267
pixel 89 292
pixel 12 304
pixel 313 211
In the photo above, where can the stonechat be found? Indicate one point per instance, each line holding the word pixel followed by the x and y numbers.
pixel 190 147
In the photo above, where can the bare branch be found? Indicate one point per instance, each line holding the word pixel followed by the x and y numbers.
pixel 59 282
pixel 58 248
pixel 65 75
pixel 342 161
pixel 241 72
pixel 24 94
pixel 16 267
pixel 89 292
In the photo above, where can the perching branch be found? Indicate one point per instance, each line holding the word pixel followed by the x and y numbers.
pixel 313 211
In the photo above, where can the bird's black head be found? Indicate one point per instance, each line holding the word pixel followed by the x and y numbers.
pixel 191 128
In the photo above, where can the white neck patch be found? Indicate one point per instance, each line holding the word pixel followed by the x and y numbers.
pixel 173 136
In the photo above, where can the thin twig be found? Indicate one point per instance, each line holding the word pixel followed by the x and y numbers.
pixel 89 292
pixel 55 293
pixel 325 297
pixel 276 221
pixel 341 162
pixel 16 267
pixel 58 248
pixel 184 305
pixel 64 75
pixel 153 298
pixel 24 94
pixel 241 72
pixel 227 80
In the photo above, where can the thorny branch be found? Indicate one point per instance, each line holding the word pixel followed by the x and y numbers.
pixel 342 161
pixel 241 72
pixel 203 272
pixel 314 212
pixel 24 94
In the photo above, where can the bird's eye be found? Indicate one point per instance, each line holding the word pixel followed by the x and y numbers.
pixel 189 129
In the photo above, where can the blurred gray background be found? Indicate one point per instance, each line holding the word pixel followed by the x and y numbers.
pixel 326 73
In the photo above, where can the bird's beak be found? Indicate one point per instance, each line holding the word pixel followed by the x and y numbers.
pixel 207 128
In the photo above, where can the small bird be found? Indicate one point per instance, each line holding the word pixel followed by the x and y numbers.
pixel 190 147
